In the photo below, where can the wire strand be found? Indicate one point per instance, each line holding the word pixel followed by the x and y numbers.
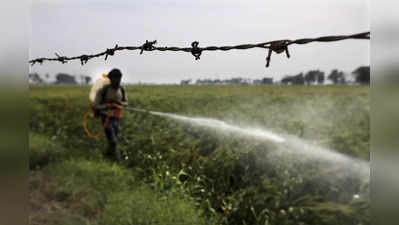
pixel 277 46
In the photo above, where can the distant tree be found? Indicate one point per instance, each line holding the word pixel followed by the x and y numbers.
pixel 199 82
pixel 314 75
pixel 87 80
pixel 238 80
pixel 185 82
pixel 259 81
pixel 320 78
pixel 208 81
pixel 227 81
pixel 35 78
pixel 267 80
pixel 296 80
pixel 310 77
pixel 337 77
pixel 362 75
pixel 286 80
pixel 299 79
pixel 63 78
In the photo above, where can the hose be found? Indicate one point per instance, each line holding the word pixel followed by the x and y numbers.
pixel 103 127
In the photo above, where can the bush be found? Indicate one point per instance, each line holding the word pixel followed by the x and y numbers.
pixel 109 194
pixel 42 150
pixel 143 206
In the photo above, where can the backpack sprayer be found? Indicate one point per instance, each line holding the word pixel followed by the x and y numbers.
pixel 100 83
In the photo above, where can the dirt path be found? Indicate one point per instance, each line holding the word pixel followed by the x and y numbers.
pixel 44 208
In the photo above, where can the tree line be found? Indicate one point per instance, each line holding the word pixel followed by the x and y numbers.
pixel 60 79
pixel 360 76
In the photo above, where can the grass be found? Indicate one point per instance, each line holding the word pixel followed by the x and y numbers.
pixel 181 174
pixel 43 151
pixel 99 192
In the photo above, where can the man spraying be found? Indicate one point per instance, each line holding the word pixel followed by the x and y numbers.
pixel 109 101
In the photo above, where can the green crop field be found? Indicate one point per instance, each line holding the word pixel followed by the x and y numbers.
pixel 180 173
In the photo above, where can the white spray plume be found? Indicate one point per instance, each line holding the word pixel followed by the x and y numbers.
pixel 223 126
pixel 288 145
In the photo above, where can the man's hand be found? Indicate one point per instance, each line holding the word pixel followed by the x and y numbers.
pixel 118 102
pixel 117 106
pixel 115 100
pixel 114 106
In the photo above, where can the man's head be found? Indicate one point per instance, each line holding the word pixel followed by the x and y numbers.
pixel 115 76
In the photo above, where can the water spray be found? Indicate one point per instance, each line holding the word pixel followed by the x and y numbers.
pixel 219 125
pixel 287 145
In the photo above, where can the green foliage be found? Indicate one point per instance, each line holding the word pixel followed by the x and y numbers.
pixel 205 173
pixel 42 151
pixel 65 218
pixel 110 195
pixel 143 206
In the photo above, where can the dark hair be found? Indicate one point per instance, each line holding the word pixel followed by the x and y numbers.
pixel 115 73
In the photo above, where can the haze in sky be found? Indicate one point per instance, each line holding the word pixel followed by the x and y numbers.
pixel 74 27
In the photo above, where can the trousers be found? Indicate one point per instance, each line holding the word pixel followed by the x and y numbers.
pixel 111 132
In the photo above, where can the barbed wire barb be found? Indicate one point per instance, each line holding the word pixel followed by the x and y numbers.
pixel 195 50
pixel 148 46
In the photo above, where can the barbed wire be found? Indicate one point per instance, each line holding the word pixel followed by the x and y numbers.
pixel 278 46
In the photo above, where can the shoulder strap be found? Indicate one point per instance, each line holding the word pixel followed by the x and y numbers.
pixel 104 92
pixel 123 94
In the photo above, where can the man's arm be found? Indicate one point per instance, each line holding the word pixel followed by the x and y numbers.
pixel 124 97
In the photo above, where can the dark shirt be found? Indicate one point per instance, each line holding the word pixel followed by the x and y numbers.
pixel 109 96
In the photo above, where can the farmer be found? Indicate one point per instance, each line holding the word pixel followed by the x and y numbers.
pixel 110 100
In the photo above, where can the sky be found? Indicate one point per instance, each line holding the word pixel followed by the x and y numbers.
pixel 75 27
